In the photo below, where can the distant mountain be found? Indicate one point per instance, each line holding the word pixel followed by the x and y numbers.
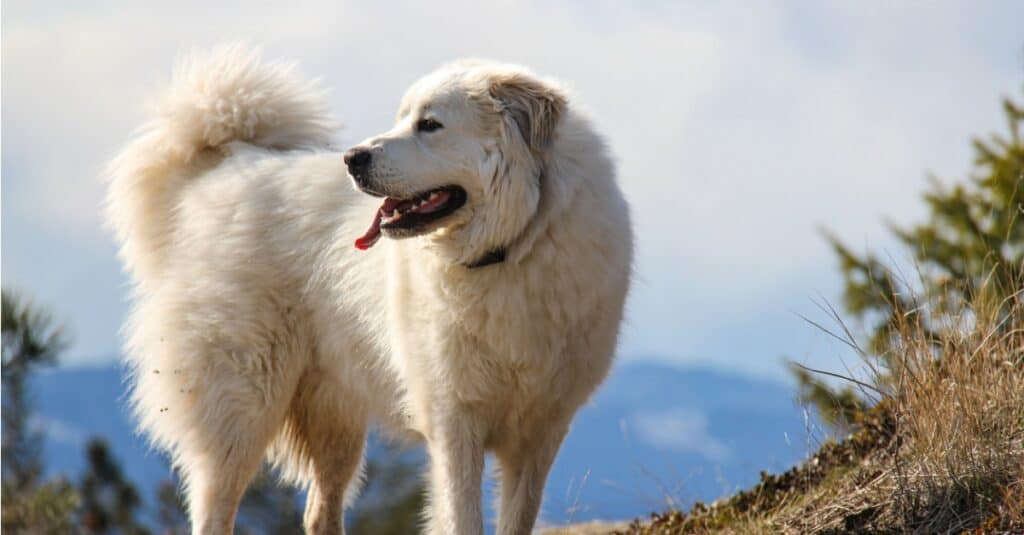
pixel 653 435
pixel 656 435
pixel 74 404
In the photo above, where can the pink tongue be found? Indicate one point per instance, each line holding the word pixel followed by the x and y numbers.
pixel 372 234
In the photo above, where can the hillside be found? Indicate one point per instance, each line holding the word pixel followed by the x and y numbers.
pixel 941 452
pixel 939 420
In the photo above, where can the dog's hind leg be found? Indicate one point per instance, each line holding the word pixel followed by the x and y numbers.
pixel 524 466
pixel 338 468
pixel 237 405
pixel 322 443
pixel 337 463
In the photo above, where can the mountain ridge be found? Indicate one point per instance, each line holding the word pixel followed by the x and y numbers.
pixel 653 435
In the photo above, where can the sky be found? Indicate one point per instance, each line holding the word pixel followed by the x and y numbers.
pixel 741 130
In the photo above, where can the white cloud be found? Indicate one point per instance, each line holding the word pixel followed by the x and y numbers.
pixel 680 429
pixel 739 129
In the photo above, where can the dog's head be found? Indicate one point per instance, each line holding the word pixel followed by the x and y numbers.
pixel 465 158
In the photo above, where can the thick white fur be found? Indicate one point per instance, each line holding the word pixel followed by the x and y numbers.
pixel 259 331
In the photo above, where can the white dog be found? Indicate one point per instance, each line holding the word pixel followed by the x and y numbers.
pixel 259 331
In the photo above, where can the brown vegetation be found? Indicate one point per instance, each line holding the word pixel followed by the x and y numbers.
pixel 943 452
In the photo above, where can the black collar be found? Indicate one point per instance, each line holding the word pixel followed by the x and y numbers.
pixel 494 256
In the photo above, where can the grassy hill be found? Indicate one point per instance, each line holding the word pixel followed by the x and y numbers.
pixel 942 451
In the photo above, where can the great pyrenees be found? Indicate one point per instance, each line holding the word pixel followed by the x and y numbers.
pixel 477 309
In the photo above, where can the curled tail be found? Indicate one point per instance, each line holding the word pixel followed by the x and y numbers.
pixel 215 97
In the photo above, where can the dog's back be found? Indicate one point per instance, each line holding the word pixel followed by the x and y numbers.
pixel 214 99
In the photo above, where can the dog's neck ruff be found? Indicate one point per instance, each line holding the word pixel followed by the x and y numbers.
pixel 494 256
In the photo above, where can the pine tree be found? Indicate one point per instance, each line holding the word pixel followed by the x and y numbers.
pixel 31 340
pixel 104 501
pixel 394 495
pixel 171 514
pixel 969 250
pixel 270 507
pixel 110 503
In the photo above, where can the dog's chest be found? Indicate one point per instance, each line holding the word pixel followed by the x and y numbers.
pixel 485 343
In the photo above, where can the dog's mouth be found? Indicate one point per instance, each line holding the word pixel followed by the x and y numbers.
pixel 408 217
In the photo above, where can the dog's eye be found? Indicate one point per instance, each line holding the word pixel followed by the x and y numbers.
pixel 428 125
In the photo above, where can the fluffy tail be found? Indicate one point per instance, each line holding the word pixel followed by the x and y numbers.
pixel 216 97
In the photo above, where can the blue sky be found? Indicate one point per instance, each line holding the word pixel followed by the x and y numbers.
pixel 741 129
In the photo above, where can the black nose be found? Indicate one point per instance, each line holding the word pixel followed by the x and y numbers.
pixel 357 160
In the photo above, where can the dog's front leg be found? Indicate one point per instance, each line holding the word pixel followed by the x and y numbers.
pixel 524 463
pixel 456 469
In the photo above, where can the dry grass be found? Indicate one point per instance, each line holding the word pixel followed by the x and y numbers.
pixel 962 416
pixel 943 452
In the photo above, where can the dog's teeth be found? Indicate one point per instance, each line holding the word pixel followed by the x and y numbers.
pixel 433 195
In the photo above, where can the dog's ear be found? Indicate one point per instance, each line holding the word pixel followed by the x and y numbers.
pixel 534 106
